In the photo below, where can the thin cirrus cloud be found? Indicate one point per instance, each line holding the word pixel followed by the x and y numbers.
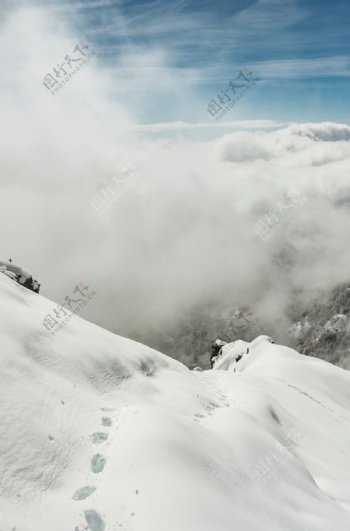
pixel 198 47
pixel 304 68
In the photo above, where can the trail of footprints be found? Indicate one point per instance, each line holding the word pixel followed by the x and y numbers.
pixel 98 462
pixel 222 401
pixel 94 520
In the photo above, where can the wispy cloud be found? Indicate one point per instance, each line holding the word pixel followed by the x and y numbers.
pixel 236 125
pixel 303 68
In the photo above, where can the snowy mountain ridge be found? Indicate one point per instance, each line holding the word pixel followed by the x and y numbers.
pixel 104 434
pixel 318 326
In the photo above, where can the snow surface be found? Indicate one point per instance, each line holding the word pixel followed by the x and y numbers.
pixel 102 433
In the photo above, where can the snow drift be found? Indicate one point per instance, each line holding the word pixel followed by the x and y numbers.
pixel 102 433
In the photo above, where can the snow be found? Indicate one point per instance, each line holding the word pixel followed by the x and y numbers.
pixel 101 432
pixel 300 328
pixel 23 275
pixel 338 323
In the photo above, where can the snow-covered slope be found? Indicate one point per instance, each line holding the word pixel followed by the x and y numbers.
pixel 102 433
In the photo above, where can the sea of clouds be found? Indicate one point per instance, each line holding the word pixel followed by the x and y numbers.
pixel 183 218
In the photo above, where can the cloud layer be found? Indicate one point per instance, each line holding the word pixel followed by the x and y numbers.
pixel 185 225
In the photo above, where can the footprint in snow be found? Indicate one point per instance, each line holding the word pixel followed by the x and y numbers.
pixel 98 463
pixel 94 520
pixel 211 406
pixel 107 409
pixel 99 437
pixel 198 416
pixel 106 421
pixel 83 493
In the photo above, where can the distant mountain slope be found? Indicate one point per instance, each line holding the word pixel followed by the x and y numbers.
pixel 320 327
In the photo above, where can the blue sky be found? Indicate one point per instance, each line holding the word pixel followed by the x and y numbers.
pixel 191 49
